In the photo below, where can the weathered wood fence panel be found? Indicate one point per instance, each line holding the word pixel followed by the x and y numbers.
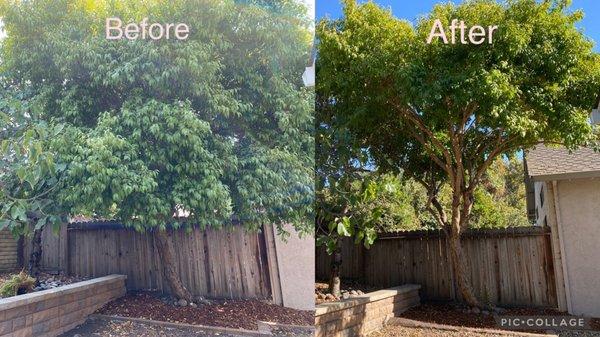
pixel 218 263
pixel 54 250
pixel 8 251
pixel 510 267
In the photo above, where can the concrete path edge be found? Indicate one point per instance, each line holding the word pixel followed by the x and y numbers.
pixel 203 328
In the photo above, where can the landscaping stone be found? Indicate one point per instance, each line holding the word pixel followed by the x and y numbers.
pixel 182 303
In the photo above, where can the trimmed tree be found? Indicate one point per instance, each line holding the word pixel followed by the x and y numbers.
pixel 210 131
pixel 442 113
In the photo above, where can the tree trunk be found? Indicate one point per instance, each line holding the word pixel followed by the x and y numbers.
pixel 36 253
pixel 459 268
pixel 164 245
pixel 462 203
pixel 335 282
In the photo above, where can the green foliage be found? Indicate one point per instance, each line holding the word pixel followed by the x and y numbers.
pixel 500 201
pixel 17 284
pixel 218 126
pixel 29 174
pixel 371 205
pixel 443 114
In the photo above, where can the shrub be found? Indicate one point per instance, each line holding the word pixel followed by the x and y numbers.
pixel 17 284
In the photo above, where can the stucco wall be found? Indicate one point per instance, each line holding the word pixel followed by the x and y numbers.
pixel 579 205
pixel 541 190
pixel 296 262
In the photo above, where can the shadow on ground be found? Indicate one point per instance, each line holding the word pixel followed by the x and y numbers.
pixel 113 328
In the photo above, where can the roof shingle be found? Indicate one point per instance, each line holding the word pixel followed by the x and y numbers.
pixel 555 163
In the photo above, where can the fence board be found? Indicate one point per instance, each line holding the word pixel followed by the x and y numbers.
pixel 510 267
pixel 226 263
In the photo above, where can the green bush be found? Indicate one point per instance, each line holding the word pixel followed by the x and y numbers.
pixel 17 284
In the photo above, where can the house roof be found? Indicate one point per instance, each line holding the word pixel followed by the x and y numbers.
pixel 557 163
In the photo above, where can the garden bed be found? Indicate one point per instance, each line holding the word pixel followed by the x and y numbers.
pixel 53 311
pixel 45 281
pixel 349 289
pixel 364 314
pixel 238 314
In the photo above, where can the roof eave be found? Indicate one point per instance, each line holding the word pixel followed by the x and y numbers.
pixel 566 176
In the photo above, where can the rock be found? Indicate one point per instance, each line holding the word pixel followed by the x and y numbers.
pixel 321 296
pixel 360 292
pixel 354 293
pixel 76 335
pixel 499 310
pixel 330 297
pixel 476 310
pixel 345 296
pixel 193 305
pixel 202 301
pixel 182 303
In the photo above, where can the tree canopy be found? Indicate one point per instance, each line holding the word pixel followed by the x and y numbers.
pixel 217 127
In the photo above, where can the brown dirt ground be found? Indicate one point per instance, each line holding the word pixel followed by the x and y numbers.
pixel 400 331
pixel 223 313
pixel 452 314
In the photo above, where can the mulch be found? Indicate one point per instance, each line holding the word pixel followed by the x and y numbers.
pixel 237 314
pixel 453 314
pixel 401 331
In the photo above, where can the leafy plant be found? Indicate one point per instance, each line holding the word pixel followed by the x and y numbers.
pixel 217 127
pixel 17 284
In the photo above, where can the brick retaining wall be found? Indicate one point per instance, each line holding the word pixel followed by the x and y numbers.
pixel 359 316
pixel 51 312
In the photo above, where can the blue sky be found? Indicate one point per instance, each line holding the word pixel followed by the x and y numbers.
pixel 411 9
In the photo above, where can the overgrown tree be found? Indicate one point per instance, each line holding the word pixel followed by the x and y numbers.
pixel 209 131
pixel 443 113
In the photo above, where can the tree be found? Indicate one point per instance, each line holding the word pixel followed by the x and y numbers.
pixel 352 201
pixel 443 113
pixel 29 175
pixel 211 131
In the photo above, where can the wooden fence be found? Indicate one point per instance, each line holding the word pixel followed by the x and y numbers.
pixel 8 251
pixel 512 267
pixel 227 263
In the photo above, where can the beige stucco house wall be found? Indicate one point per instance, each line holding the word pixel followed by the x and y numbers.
pixel 566 188
pixel 293 268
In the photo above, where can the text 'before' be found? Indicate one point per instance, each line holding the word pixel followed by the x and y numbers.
pixel 155 31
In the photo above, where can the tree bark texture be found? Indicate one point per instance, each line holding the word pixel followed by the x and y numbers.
pixel 164 244
pixel 36 253
pixel 461 210
pixel 335 282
